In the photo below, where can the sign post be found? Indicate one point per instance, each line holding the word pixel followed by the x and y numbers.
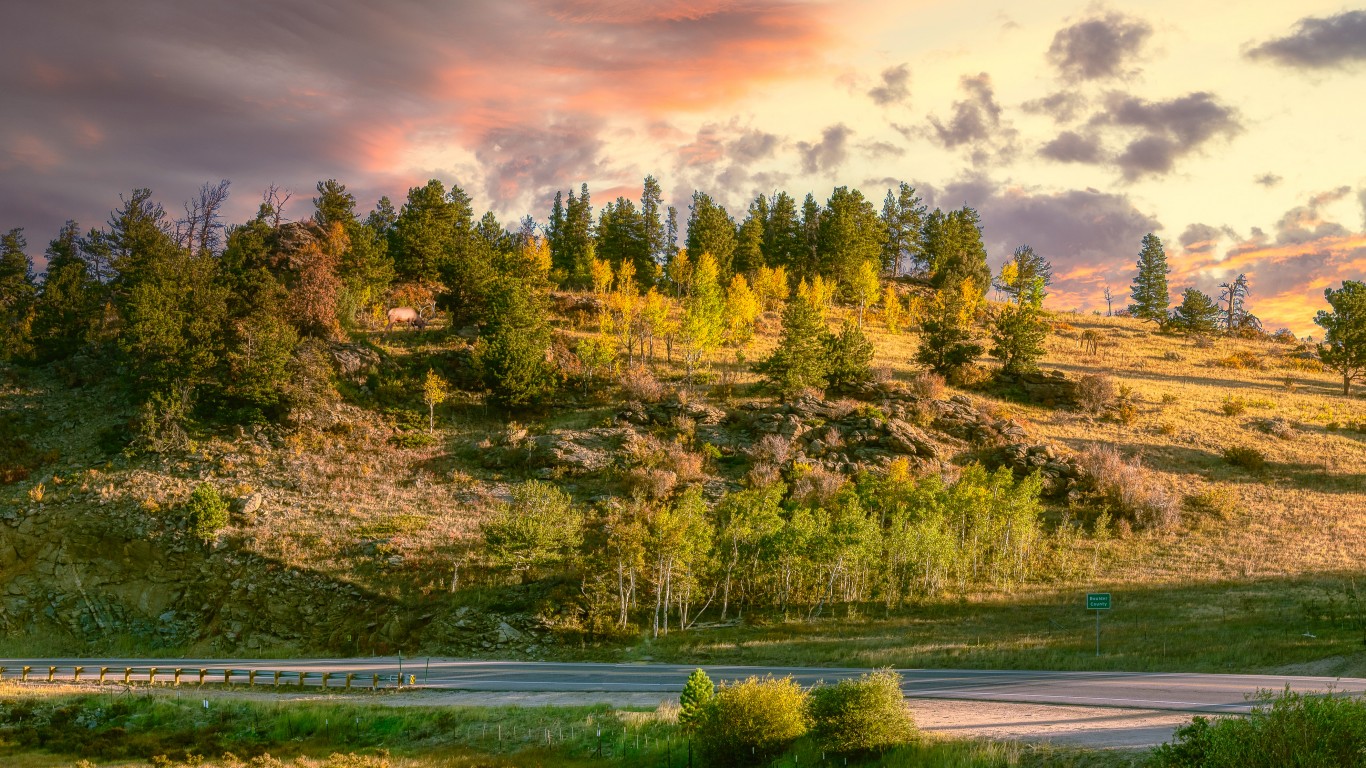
pixel 1097 601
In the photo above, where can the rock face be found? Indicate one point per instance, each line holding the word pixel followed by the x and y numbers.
pixel 577 452
pixel 1050 388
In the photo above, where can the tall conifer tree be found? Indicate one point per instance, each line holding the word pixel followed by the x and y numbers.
pixel 1149 291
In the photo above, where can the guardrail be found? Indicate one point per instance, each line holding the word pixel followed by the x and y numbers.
pixel 175 676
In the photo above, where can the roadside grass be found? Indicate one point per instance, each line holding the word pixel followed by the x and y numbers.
pixel 128 730
pixel 1262 625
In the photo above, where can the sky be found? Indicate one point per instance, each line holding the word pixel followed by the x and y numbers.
pixel 1232 130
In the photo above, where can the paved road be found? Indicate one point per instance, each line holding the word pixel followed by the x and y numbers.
pixel 1135 690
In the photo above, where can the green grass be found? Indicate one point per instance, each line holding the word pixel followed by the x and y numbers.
pixel 129 729
pixel 1254 626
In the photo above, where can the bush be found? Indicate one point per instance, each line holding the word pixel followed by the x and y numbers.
pixel 206 512
pixel 1219 501
pixel 927 385
pixel 637 383
pixel 1096 393
pixel 860 716
pixel 1128 488
pixel 750 722
pixel 1233 405
pixel 1246 457
pixel 1286 729
pixel 1243 359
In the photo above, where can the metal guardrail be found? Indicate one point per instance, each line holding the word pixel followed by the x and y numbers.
pixel 175 676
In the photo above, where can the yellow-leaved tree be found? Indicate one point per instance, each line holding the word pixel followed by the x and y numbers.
pixel 435 390
pixel 742 310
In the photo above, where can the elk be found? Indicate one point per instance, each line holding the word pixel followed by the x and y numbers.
pixel 406 315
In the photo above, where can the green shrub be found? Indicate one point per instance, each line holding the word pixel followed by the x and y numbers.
pixel 697 695
pixel 750 722
pixel 1233 405
pixel 206 512
pixel 860 716
pixel 1219 501
pixel 1246 457
pixel 1282 730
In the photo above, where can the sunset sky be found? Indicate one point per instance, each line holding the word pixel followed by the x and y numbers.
pixel 1234 130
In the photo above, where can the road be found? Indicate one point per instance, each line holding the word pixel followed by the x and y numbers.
pixel 1133 690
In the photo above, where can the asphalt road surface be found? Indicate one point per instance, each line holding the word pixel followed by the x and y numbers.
pixel 1133 690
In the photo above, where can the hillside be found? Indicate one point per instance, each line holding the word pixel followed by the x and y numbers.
pixel 355 531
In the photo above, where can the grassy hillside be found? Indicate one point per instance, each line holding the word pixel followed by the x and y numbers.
pixel 356 531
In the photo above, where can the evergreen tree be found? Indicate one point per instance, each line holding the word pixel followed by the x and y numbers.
pixel 1196 315
pixel 364 267
pixel 698 692
pixel 1018 332
pixel 652 222
pixel 946 341
pixel 17 296
pixel 1149 291
pixel 903 215
pixel 801 359
pixel 1024 272
pixel 1344 339
pixel 513 348
pixel 621 239
pixel 433 229
pixel 808 264
pixel 539 528
pixel 65 313
pixel 851 234
pixel 671 235
pixel 555 233
pixel 1234 315
pixel 850 357
pixel 577 241
pixel 749 248
pixel 954 249
pixel 784 241
pixel 173 317
pixel 711 230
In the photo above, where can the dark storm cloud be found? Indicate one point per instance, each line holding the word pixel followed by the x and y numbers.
pixel 1061 106
pixel 828 153
pixel 895 87
pixel 1306 223
pixel 1073 147
pixel 1098 47
pixel 1318 43
pixel 976 123
pixel 1169 129
pixel 1200 239
pixel 103 97
pixel 1090 237
pixel 753 145
pixel 1268 180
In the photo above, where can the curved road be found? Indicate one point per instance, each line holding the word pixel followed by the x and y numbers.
pixel 1135 690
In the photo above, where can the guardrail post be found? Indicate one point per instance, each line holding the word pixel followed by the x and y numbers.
pixel 374 686
pixel 76 674
pixel 349 677
pixel 302 675
pixel 152 676
pixel 127 675
pixel 2 672
pixel 277 678
pixel 202 673
pixel 326 677
pixel 103 671
pixel 227 677
pixel 178 671
pixel 50 672
pixel 251 677
pixel 26 670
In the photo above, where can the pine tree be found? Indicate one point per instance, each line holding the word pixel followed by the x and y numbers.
pixel 903 214
pixel 512 350
pixel 697 694
pixel 801 359
pixel 946 341
pixel 850 357
pixel 783 238
pixel 1149 291
pixel 652 222
pixel 1018 332
pixel 711 230
pixel 64 316
pixel 808 263
pixel 749 247
pixel 1234 315
pixel 851 234
pixel 1196 315
pixel 17 296
pixel 1344 339
pixel 1018 275
pixel 954 251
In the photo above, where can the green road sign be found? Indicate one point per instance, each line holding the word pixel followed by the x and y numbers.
pixel 1098 601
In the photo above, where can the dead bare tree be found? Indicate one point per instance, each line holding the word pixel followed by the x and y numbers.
pixel 1109 300
pixel 201 231
pixel 273 201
